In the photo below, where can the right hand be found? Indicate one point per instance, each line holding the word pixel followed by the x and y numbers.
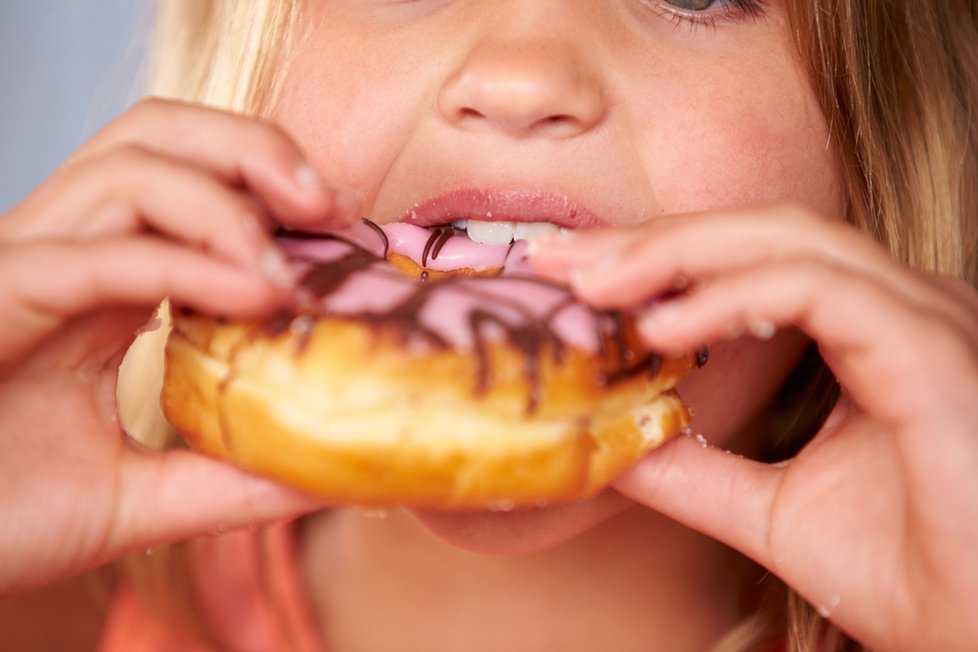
pixel 171 200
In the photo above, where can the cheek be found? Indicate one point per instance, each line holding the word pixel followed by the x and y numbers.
pixel 739 379
pixel 715 146
pixel 347 104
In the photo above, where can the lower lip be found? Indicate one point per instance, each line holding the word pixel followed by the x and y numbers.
pixel 502 206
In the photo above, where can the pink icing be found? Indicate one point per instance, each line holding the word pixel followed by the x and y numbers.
pixel 372 288
pixel 457 253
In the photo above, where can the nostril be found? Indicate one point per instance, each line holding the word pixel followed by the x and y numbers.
pixel 554 120
pixel 466 113
pixel 557 126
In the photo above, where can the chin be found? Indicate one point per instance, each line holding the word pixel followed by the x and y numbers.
pixel 521 531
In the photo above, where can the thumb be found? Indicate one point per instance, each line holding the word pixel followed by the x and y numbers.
pixel 176 495
pixel 709 490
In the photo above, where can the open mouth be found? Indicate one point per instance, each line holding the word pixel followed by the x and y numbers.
pixel 483 228
pixel 503 232
pixel 479 246
pixel 473 231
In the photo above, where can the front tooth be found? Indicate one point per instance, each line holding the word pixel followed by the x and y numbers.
pixel 491 233
pixel 533 230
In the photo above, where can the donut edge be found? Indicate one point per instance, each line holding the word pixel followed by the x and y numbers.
pixel 390 440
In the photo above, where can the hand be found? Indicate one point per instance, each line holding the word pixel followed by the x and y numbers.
pixel 170 200
pixel 875 521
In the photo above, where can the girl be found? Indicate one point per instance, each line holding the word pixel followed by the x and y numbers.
pixel 807 172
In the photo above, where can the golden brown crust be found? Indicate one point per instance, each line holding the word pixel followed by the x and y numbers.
pixel 408 267
pixel 345 412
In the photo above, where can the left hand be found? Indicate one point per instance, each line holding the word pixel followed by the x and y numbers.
pixel 169 200
pixel 875 521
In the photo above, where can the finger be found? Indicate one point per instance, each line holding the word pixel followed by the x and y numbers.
pixel 910 370
pixel 770 513
pixel 671 252
pixel 44 285
pixel 709 490
pixel 166 497
pixel 253 153
pixel 881 346
pixel 959 294
pixel 133 189
pixel 560 255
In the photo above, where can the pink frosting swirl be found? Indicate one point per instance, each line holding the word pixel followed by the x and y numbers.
pixel 346 274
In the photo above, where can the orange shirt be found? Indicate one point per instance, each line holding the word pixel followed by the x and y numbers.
pixel 251 594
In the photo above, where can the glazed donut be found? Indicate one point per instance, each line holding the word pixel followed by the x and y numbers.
pixel 417 368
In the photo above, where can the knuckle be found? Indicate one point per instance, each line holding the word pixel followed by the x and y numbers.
pixel 125 158
pixel 958 287
pixel 141 115
pixel 814 269
pixel 111 166
pixel 148 108
pixel 272 139
pixel 138 119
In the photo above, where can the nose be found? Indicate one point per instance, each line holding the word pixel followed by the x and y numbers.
pixel 524 86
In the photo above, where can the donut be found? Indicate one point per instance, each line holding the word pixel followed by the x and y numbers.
pixel 414 367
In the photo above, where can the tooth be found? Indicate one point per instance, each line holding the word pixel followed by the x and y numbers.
pixel 490 232
pixel 461 224
pixel 533 230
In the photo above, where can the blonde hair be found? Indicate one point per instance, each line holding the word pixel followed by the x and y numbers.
pixel 223 53
pixel 897 80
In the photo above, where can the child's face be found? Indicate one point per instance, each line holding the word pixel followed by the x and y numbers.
pixel 610 103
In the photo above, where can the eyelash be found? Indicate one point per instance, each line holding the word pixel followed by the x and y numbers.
pixel 731 10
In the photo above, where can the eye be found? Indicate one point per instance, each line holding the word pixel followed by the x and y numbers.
pixel 691 5
pixel 709 12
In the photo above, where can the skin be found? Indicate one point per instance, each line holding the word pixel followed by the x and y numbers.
pixel 732 195
pixel 435 90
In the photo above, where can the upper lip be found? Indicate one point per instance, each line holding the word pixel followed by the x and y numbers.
pixel 501 205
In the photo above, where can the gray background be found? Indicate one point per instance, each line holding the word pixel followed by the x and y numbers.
pixel 66 68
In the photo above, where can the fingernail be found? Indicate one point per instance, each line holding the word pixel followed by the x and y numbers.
pixel 761 329
pixel 309 178
pixel 662 316
pixel 546 241
pixel 275 268
pixel 597 274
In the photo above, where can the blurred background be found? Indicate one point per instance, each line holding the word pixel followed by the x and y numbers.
pixel 66 68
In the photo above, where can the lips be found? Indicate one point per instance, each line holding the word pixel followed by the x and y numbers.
pixel 488 227
pixel 484 204
pixel 426 234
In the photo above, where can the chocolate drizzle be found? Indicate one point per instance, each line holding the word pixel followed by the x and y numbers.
pixel 439 238
pixel 380 233
pixel 702 357
pixel 529 339
pixel 533 335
